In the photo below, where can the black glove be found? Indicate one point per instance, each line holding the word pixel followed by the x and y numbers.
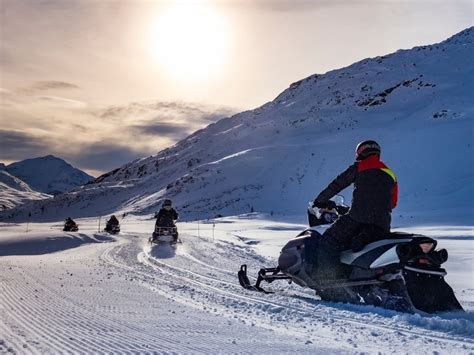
pixel 328 204
pixel 316 204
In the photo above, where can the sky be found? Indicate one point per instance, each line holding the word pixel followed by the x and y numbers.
pixel 102 82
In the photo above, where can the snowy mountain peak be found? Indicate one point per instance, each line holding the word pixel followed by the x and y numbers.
pixel 49 174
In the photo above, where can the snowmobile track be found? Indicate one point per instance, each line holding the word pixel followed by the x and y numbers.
pixel 212 293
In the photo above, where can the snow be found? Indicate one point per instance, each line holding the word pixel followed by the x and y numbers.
pixel 49 174
pixel 87 292
pixel 14 192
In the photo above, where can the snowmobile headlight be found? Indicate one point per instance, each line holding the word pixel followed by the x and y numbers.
pixel 427 247
pixel 404 251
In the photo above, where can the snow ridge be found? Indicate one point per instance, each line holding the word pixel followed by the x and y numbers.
pixel 14 192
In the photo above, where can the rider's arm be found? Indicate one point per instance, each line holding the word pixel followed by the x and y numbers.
pixel 343 180
pixel 159 215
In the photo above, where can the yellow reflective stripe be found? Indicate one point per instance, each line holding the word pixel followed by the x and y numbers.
pixel 389 172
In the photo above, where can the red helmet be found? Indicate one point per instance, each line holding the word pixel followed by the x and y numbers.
pixel 366 148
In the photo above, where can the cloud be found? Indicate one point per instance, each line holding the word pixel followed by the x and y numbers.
pixel 105 156
pixel 5 92
pixel 61 101
pixel 39 87
pixel 95 139
pixel 164 129
pixel 168 110
pixel 53 85
pixel 294 5
pixel 17 145
pixel 171 119
pixel 31 95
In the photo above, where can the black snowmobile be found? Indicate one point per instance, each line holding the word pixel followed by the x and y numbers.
pixel 112 229
pixel 165 232
pixel 70 225
pixel 165 235
pixel 112 226
pixel 401 272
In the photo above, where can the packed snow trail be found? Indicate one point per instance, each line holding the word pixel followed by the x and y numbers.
pixel 80 301
pixel 126 296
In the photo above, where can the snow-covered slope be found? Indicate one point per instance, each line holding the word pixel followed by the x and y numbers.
pixel 14 192
pixel 49 174
pixel 417 103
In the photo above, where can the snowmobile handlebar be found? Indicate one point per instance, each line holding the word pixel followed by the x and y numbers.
pixel 342 209
pixel 327 215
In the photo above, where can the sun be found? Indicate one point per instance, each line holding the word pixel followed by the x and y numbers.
pixel 190 41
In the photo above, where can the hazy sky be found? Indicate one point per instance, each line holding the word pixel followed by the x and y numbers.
pixel 101 82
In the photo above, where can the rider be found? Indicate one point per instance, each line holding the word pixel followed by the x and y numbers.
pixel 167 216
pixel 113 221
pixel 375 195
pixel 69 223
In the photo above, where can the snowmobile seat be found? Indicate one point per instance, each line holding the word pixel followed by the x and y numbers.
pixel 365 257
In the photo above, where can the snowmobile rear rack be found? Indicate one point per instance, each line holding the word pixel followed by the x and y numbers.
pixel 274 274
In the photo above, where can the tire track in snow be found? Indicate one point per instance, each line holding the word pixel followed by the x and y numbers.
pixel 326 311
pixel 327 320
pixel 158 282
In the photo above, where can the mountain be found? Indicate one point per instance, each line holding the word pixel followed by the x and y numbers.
pixel 416 103
pixel 49 174
pixel 14 192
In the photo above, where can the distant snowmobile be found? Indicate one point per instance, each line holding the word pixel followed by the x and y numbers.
pixel 70 225
pixel 112 226
pixel 114 229
pixel 402 272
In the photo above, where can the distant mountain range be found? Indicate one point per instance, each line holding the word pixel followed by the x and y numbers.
pixel 416 103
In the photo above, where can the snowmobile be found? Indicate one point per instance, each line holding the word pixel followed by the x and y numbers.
pixel 401 272
pixel 70 226
pixel 112 228
pixel 165 235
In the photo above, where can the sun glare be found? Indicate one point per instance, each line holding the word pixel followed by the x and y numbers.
pixel 190 41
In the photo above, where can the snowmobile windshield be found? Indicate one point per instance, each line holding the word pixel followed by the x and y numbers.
pixel 338 199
